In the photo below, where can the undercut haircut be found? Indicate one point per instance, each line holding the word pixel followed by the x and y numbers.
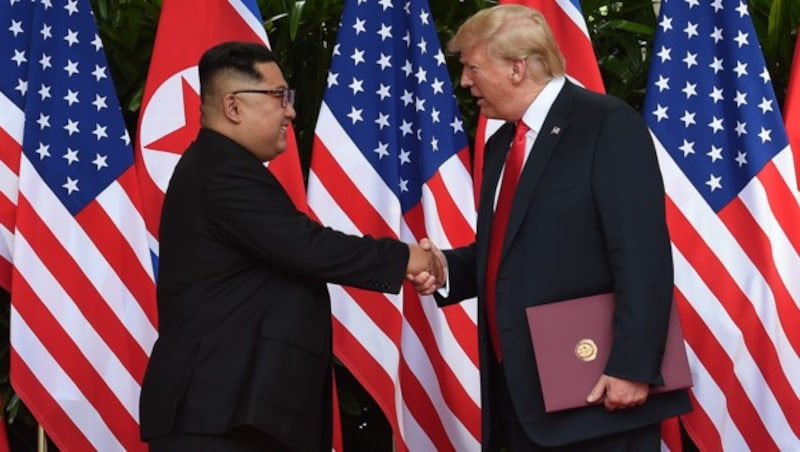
pixel 231 59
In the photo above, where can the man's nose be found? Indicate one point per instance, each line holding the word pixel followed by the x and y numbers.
pixel 291 113
pixel 466 82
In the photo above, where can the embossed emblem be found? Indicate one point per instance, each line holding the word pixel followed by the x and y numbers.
pixel 586 350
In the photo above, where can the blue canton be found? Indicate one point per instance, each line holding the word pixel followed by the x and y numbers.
pixel 389 88
pixel 709 97
pixel 55 70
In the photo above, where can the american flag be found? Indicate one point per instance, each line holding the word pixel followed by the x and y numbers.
pixel 791 110
pixel 82 292
pixel 734 222
pixel 569 28
pixel 390 158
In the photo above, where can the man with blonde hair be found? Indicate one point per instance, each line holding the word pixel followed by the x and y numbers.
pixel 572 204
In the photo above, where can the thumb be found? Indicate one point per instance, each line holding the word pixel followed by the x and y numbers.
pixel 597 392
pixel 426 244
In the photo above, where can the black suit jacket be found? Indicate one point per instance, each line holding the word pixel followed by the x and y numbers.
pixel 244 312
pixel 587 217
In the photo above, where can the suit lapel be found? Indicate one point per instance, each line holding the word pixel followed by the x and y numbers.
pixel 553 128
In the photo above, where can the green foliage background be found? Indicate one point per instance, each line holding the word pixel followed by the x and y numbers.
pixel 303 33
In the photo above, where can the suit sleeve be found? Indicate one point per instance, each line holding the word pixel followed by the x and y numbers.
pixel 629 195
pixel 461 271
pixel 248 207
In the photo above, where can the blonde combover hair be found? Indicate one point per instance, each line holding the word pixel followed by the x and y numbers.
pixel 512 32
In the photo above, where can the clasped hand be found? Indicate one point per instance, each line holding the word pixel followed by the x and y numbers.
pixel 427 267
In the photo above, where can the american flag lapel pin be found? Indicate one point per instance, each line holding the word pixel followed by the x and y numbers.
pixel 555 131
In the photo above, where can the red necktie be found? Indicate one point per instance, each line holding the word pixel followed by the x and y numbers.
pixel 502 211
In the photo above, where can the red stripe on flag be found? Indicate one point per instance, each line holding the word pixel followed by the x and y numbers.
pixel 454 393
pixel 719 365
pixel 338 183
pixel 791 109
pixel 421 407
pixel 5 274
pixel 757 246
pixel 10 151
pixel 8 213
pixel 366 218
pixel 457 318
pixel 390 322
pixel 782 202
pixel 72 361
pixel 4 447
pixel 671 434
pixel 701 428
pixel 107 237
pixel 758 342
pixel 362 364
pixel 455 226
pixel 48 413
pixel 739 308
pixel 129 181
pixel 91 304
pixel 464 156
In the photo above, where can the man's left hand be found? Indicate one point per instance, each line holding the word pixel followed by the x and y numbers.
pixel 619 394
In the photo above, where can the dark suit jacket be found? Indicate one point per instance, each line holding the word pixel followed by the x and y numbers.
pixel 244 312
pixel 588 217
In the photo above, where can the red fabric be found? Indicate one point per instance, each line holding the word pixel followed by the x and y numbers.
pixel 791 113
pixel 337 441
pixel 4 447
pixel 502 211
pixel 671 435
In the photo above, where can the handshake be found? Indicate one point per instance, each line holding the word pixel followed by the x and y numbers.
pixel 427 267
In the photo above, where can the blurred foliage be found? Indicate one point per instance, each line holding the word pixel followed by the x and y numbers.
pixel 303 33
pixel 128 29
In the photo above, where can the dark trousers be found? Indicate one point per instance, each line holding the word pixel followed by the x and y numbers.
pixel 241 439
pixel 507 431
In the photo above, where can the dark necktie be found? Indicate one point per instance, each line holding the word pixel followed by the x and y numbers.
pixel 502 210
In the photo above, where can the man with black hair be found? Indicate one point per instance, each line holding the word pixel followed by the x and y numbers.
pixel 243 358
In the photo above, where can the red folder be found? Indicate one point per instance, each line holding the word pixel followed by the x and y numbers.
pixel 572 340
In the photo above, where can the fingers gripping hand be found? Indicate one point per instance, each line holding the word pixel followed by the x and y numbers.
pixel 423 282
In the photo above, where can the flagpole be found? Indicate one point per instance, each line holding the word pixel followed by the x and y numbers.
pixel 41 439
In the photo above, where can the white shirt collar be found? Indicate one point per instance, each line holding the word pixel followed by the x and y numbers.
pixel 537 111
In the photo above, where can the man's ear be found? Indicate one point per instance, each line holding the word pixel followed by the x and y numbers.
pixel 519 70
pixel 230 108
